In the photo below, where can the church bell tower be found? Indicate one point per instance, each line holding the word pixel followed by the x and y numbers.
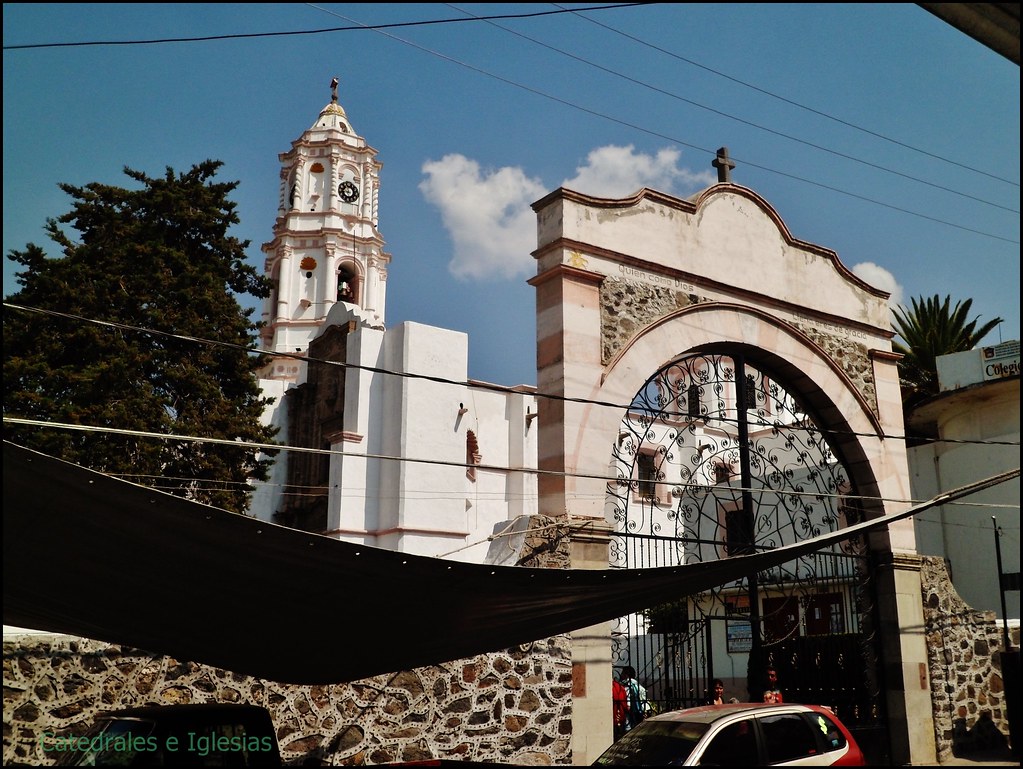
pixel 326 247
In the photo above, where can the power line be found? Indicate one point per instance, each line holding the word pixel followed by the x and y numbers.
pixel 243 36
pixel 680 142
pixel 272 448
pixel 469 384
pixel 314 491
pixel 381 27
pixel 610 480
pixel 805 142
pixel 773 95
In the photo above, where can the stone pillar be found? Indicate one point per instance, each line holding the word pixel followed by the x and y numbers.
pixel 906 671
pixel 569 364
pixel 592 725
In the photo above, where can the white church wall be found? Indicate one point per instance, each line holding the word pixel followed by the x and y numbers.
pixel 295 338
pixel 406 397
pixel 503 487
pixel 266 499
pixel 522 452
pixel 357 508
pixel 422 497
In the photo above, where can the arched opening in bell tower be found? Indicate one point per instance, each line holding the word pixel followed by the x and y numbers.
pixel 349 283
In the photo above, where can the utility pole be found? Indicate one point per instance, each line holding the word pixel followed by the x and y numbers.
pixel 1001 587
pixel 1010 657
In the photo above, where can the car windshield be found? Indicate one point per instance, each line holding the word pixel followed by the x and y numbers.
pixel 654 743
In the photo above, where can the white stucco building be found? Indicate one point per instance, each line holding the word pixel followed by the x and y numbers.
pixel 363 395
pixel 975 423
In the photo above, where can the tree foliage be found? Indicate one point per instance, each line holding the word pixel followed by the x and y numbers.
pixel 159 258
pixel 932 327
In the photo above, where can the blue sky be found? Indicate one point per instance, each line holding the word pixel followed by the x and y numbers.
pixel 875 130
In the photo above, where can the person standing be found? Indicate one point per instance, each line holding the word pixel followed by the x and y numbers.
pixel 619 707
pixel 717 696
pixel 772 685
pixel 638 705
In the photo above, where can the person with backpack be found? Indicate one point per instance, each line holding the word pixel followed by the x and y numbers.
pixel 619 707
pixel 638 708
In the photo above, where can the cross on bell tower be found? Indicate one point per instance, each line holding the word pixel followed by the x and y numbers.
pixel 724 165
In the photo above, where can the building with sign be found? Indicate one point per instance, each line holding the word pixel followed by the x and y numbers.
pixel 971 430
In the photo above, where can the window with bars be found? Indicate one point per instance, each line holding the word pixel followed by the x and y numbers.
pixel 738 532
pixel 646 476
pixel 693 400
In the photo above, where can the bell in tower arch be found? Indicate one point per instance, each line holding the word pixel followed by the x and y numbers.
pixel 347 284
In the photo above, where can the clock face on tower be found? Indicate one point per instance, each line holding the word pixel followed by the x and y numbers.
pixel 348 192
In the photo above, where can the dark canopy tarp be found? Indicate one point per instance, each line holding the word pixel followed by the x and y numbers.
pixel 87 554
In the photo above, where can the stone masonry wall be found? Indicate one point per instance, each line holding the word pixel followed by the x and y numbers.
pixel 852 357
pixel 964 656
pixel 627 307
pixel 512 707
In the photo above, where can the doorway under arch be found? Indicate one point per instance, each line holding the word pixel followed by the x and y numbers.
pixel 723 452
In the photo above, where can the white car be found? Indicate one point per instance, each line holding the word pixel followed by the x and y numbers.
pixel 741 734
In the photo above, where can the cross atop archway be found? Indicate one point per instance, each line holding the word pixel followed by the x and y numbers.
pixel 724 165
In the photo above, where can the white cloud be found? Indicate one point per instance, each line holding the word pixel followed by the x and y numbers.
pixel 488 214
pixel 880 278
pixel 615 172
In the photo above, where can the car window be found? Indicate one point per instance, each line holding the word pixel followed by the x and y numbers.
pixel 829 731
pixel 788 736
pixel 734 745
pixel 112 742
pixel 654 743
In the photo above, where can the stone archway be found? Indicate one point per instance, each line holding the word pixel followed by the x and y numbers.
pixel 824 386
pixel 625 287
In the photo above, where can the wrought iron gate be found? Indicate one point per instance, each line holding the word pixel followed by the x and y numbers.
pixel 716 457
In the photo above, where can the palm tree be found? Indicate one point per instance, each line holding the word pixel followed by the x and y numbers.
pixel 931 329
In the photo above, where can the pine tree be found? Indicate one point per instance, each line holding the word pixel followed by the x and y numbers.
pixel 157 257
